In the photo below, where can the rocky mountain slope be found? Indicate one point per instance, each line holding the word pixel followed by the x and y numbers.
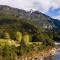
pixel 39 19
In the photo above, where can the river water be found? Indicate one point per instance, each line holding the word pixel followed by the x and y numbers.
pixel 56 57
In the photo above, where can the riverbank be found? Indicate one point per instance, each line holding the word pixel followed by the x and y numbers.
pixel 34 55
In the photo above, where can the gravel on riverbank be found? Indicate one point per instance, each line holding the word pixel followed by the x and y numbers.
pixel 39 55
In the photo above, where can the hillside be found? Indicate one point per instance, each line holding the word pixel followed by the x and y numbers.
pixel 24 34
pixel 13 19
pixel 37 17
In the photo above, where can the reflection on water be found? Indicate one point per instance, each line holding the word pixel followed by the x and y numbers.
pixel 50 58
pixel 56 57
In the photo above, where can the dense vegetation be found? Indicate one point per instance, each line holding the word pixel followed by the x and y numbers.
pixel 19 37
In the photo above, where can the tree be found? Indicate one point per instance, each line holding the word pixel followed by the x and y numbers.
pixel 6 35
pixel 19 36
pixel 26 38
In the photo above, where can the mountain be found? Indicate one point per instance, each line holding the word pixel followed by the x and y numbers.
pixel 39 19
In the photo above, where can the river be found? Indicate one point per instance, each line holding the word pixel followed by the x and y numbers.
pixel 56 57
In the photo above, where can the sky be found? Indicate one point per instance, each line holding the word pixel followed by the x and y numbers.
pixel 48 7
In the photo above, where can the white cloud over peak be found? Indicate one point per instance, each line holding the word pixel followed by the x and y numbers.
pixel 57 17
pixel 32 4
pixel 41 5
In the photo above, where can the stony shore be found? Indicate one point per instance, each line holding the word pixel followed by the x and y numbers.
pixel 39 55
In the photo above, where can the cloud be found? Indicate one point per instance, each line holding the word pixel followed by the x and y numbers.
pixel 22 4
pixel 34 4
pixel 56 17
pixel 40 5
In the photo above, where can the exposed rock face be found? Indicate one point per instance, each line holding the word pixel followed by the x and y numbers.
pixel 39 18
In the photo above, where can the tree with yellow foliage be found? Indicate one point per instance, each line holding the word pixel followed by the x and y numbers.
pixel 26 38
pixel 19 36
